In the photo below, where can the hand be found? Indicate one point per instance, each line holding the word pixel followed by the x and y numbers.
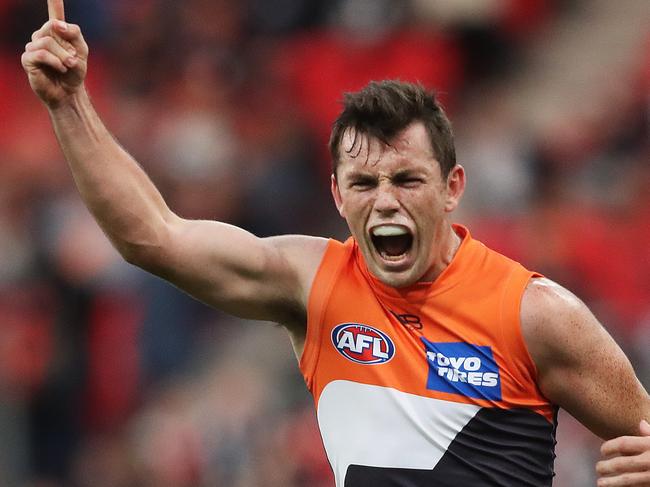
pixel 627 460
pixel 56 59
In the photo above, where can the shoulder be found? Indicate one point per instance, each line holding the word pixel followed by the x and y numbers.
pixel 555 322
pixel 545 300
pixel 566 340
pixel 579 365
pixel 301 255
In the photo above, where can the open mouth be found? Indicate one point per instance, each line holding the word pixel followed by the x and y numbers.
pixel 392 242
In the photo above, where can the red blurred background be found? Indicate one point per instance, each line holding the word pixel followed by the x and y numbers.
pixel 110 377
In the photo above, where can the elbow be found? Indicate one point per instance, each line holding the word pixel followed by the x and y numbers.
pixel 147 254
pixel 132 254
pixel 145 246
pixel 147 257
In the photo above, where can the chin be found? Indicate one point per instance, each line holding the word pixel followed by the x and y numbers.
pixel 396 279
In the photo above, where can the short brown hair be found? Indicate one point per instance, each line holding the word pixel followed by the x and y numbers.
pixel 382 109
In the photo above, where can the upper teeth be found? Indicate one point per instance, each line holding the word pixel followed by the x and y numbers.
pixel 389 231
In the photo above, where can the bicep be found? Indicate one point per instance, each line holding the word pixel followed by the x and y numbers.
pixel 233 270
pixel 580 367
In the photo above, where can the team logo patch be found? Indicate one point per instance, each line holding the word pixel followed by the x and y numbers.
pixel 463 368
pixel 362 344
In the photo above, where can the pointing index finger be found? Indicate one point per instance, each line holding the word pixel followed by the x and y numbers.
pixel 55 10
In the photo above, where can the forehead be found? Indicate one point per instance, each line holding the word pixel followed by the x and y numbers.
pixel 409 149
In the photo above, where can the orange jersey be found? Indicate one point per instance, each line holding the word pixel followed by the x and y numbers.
pixel 430 384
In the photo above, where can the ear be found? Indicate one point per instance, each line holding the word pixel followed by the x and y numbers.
pixel 336 194
pixel 455 187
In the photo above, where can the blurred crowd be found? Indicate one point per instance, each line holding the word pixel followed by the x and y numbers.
pixel 110 377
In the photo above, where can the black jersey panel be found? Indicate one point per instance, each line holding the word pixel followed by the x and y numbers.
pixel 497 448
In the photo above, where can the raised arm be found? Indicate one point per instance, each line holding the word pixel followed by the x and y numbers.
pixel 222 265
pixel 583 370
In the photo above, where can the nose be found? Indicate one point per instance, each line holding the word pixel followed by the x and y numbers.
pixel 386 200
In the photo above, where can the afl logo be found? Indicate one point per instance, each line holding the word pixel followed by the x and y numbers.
pixel 362 344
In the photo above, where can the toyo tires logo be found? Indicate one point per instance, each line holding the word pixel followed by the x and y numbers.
pixel 463 368
pixel 362 344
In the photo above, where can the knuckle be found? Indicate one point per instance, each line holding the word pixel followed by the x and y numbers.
pixel 34 48
pixel 44 30
pixel 40 56
pixel 627 444
pixel 607 447
pixel 40 42
pixel 45 41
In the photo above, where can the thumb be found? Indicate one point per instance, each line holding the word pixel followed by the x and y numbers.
pixel 644 427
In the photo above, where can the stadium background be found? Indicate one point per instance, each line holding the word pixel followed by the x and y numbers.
pixel 111 378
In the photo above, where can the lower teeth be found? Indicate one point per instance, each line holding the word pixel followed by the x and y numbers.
pixel 392 257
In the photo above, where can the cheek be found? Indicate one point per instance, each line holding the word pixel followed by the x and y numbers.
pixel 355 205
pixel 427 212
pixel 356 216
pixel 423 204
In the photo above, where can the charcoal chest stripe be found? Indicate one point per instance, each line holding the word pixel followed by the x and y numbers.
pixel 497 448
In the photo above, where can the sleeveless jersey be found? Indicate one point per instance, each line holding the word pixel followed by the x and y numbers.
pixel 429 385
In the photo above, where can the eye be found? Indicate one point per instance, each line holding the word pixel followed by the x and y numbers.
pixel 409 181
pixel 362 183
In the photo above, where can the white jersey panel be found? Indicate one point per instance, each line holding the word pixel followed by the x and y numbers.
pixel 378 426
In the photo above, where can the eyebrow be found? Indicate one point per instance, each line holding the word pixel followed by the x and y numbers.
pixel 408 172
pixel 357 174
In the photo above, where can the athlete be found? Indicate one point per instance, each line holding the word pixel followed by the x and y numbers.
pixel 432 359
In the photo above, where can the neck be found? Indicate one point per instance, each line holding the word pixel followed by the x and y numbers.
pixel 448 244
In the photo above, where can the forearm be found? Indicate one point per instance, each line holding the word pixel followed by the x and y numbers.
pixel 113 186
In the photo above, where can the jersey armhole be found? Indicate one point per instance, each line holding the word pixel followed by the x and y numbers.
pixel 324 280
pixel 511 314
pixel 512 334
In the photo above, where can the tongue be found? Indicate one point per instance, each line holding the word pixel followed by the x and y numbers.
pixel 395 245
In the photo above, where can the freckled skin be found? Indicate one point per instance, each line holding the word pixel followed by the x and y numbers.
pixel 399 184
pixel 582 369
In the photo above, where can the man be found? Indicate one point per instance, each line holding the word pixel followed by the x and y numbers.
pixel 432 360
